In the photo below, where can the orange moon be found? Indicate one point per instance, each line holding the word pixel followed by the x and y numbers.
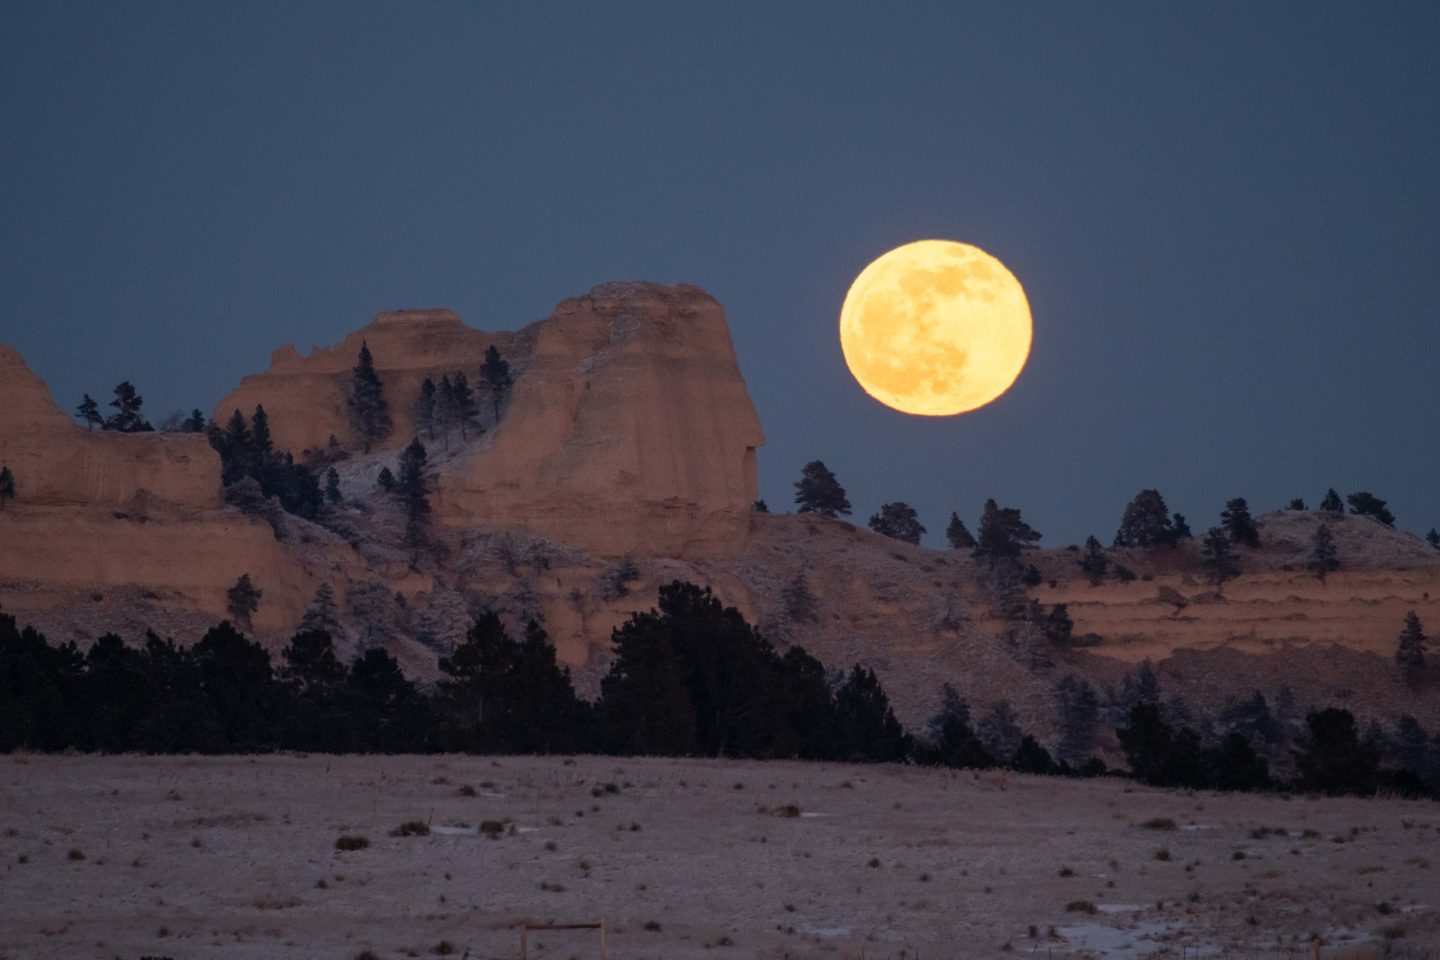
pixel 935 328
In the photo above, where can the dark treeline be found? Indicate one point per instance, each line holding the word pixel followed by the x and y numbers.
pixel 690 678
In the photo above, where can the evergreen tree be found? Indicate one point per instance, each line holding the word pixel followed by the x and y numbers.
pixel 1179 528
pixel 369 411
pixel 127 404
pixel 386 712
pixel 1146 522
pixel 999 730
pixel 866 730
pixel 798 601
pixel 332 486
pixel 1252 719
pixel 817 491
pixel 1433 538
pixel 238 685
pixel 462 402
pixel 1332 502
pixel 1236 521
pixel 321 614
pixel 1410 746
pixel 1156 753
pixel 1323 558
pixel 1296 504
pixel 1410 651
pixel 1234 765
pixel 495 375
pixel 957 535
pixel 309 659
pixel 1003 535
pixel 761 506
pixel 898 521
pixel 1331 758
pixel 242 600
pixel 7 486
pixel 195 423
pixel 950 740
pixel 1030 757
pixel 425 405
pixel 386 480
pixel 1079 708
pixel 1366 504
pixel 1093 561
pixel 88 413
pixel 261 446
pixel 412 486
pixel 1218 556
pixel 237 454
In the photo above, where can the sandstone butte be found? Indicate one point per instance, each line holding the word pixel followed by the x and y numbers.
pixel 630 433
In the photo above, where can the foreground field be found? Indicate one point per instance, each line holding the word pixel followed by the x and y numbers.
pixel 236 857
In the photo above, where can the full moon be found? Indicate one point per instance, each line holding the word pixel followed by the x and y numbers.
pixel 935 328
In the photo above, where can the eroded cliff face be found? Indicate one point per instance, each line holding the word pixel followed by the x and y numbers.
pixel 629 428
pixel 58 462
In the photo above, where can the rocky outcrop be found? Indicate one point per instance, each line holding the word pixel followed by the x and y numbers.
pixel 629 428
pixel 57 462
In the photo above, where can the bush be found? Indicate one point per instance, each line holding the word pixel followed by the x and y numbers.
pixel 412 828
pixel 348 842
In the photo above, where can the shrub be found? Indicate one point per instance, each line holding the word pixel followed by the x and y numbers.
pixel 411 828
pixel 1159 823
pixel 349 842
pixel 1079 906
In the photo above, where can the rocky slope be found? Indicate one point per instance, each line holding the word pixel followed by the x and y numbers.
pixel 630 433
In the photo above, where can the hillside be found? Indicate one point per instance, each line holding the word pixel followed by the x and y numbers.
pixel 629 439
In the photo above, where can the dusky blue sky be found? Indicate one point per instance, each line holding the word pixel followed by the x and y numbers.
pixel 1226 215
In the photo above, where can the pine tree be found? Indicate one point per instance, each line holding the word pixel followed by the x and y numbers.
pixel 386 480
pixel 412 486
pixel 369 412
pixel 1146 522
pixel 321 613
pixel 260 441
pixel 1179 528
pixel 88 412
pixel 1323 556
pixel 1093 561
pixel 1079 708
pixel 1296 504
pixel 1433 538
pixel 1410 651
pixel 1236 521
pixel 495 375
pixel 999 730
pixel 761 506
pixel 425 410
pixel 957 535
pixel 817 491
pixel 7 486
pixel 242 600
pixel 195 423
pixel 1332 502
pixel 332 486
pixel 1218 556
pixel 1003 535
pixel 1366 504
pixel 865 727
pixel 1332 759
pixel 798 601
pixel 462 401
pixel 127 404
pixel 898 521
pixel 951 741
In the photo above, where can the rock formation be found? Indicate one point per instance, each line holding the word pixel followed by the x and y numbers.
pixel 629 430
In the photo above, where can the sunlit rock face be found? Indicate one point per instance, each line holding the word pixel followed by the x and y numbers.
pixel 57 462
pixel 629 428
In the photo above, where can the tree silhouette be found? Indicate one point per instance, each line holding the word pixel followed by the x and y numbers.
pixel 88 413
pixel 1079 708
pixel 369 411
pixel 1323 558
pixel 261 445
pixel 1331 758
pixel 412 488
pixel 817 491
pixel 866 730
pixel 321 614
pixel 425 410
pixel 386 480
pixel 332 486
pixel 495 375
pixel 898 521
pixel 1366 504
pixel 1296 504
pixel 1410 650
pixel 127 404
pixel 462 402
pixel 1146 522
pixel 195 423
pixel 1003 535
pixel 1093 561
pixel 242 600
pixel 7 486
pixel 1218 556
pixel 1237 522
pixel 1332 502
pixel 1433 538
pixel 958 535
pixel 951 741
